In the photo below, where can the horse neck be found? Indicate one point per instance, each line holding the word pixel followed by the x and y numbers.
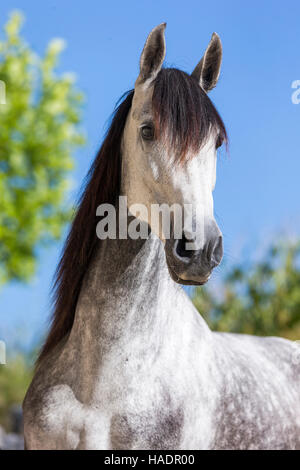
pixel 130 316
pixel 126 297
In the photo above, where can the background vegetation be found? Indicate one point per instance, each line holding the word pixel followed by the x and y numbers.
pixel 262 298
pixel 38 135
pixel 15 378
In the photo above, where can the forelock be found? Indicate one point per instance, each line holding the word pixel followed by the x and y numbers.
pixel 184 116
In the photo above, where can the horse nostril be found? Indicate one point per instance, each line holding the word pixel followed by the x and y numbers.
pixel 217 253
pixel 181 250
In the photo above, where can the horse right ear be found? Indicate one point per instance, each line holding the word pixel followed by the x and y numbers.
pixel 207 72
pixel 153 54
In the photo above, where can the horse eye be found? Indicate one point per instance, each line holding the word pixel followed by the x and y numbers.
pixel 219 142
pixel 147 132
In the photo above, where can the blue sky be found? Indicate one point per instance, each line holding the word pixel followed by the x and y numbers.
pixel 257 193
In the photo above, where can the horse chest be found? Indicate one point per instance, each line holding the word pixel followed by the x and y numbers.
pixel 67 423
pixel 154 428
pixel 125 403
pixel 139 413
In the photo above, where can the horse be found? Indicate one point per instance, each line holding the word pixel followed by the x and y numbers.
pixel 129 363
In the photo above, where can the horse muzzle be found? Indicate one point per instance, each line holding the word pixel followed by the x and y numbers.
pixel 194 266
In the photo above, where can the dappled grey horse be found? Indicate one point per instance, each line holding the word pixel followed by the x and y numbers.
pixel 129 363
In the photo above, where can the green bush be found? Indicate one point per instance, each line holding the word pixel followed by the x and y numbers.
pixel 262 298
pixel 15 378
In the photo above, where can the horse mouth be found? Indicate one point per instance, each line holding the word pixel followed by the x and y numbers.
pixel 185 282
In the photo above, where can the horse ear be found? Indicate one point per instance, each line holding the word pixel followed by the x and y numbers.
pixel 207 72
pixel 153 54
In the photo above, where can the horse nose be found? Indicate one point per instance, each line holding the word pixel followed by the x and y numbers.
pixel 210 255
pixel 181 251
pixel 215 252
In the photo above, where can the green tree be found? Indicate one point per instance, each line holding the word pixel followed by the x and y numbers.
pixel 260 299
pixel 15 378
pixel 39 131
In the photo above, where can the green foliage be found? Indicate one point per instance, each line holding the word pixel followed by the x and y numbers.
pixel 15 378
pixel 38 135
pixel 262 299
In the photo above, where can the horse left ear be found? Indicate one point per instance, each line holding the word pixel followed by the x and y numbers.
pixel 207 72
pixel 153 54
